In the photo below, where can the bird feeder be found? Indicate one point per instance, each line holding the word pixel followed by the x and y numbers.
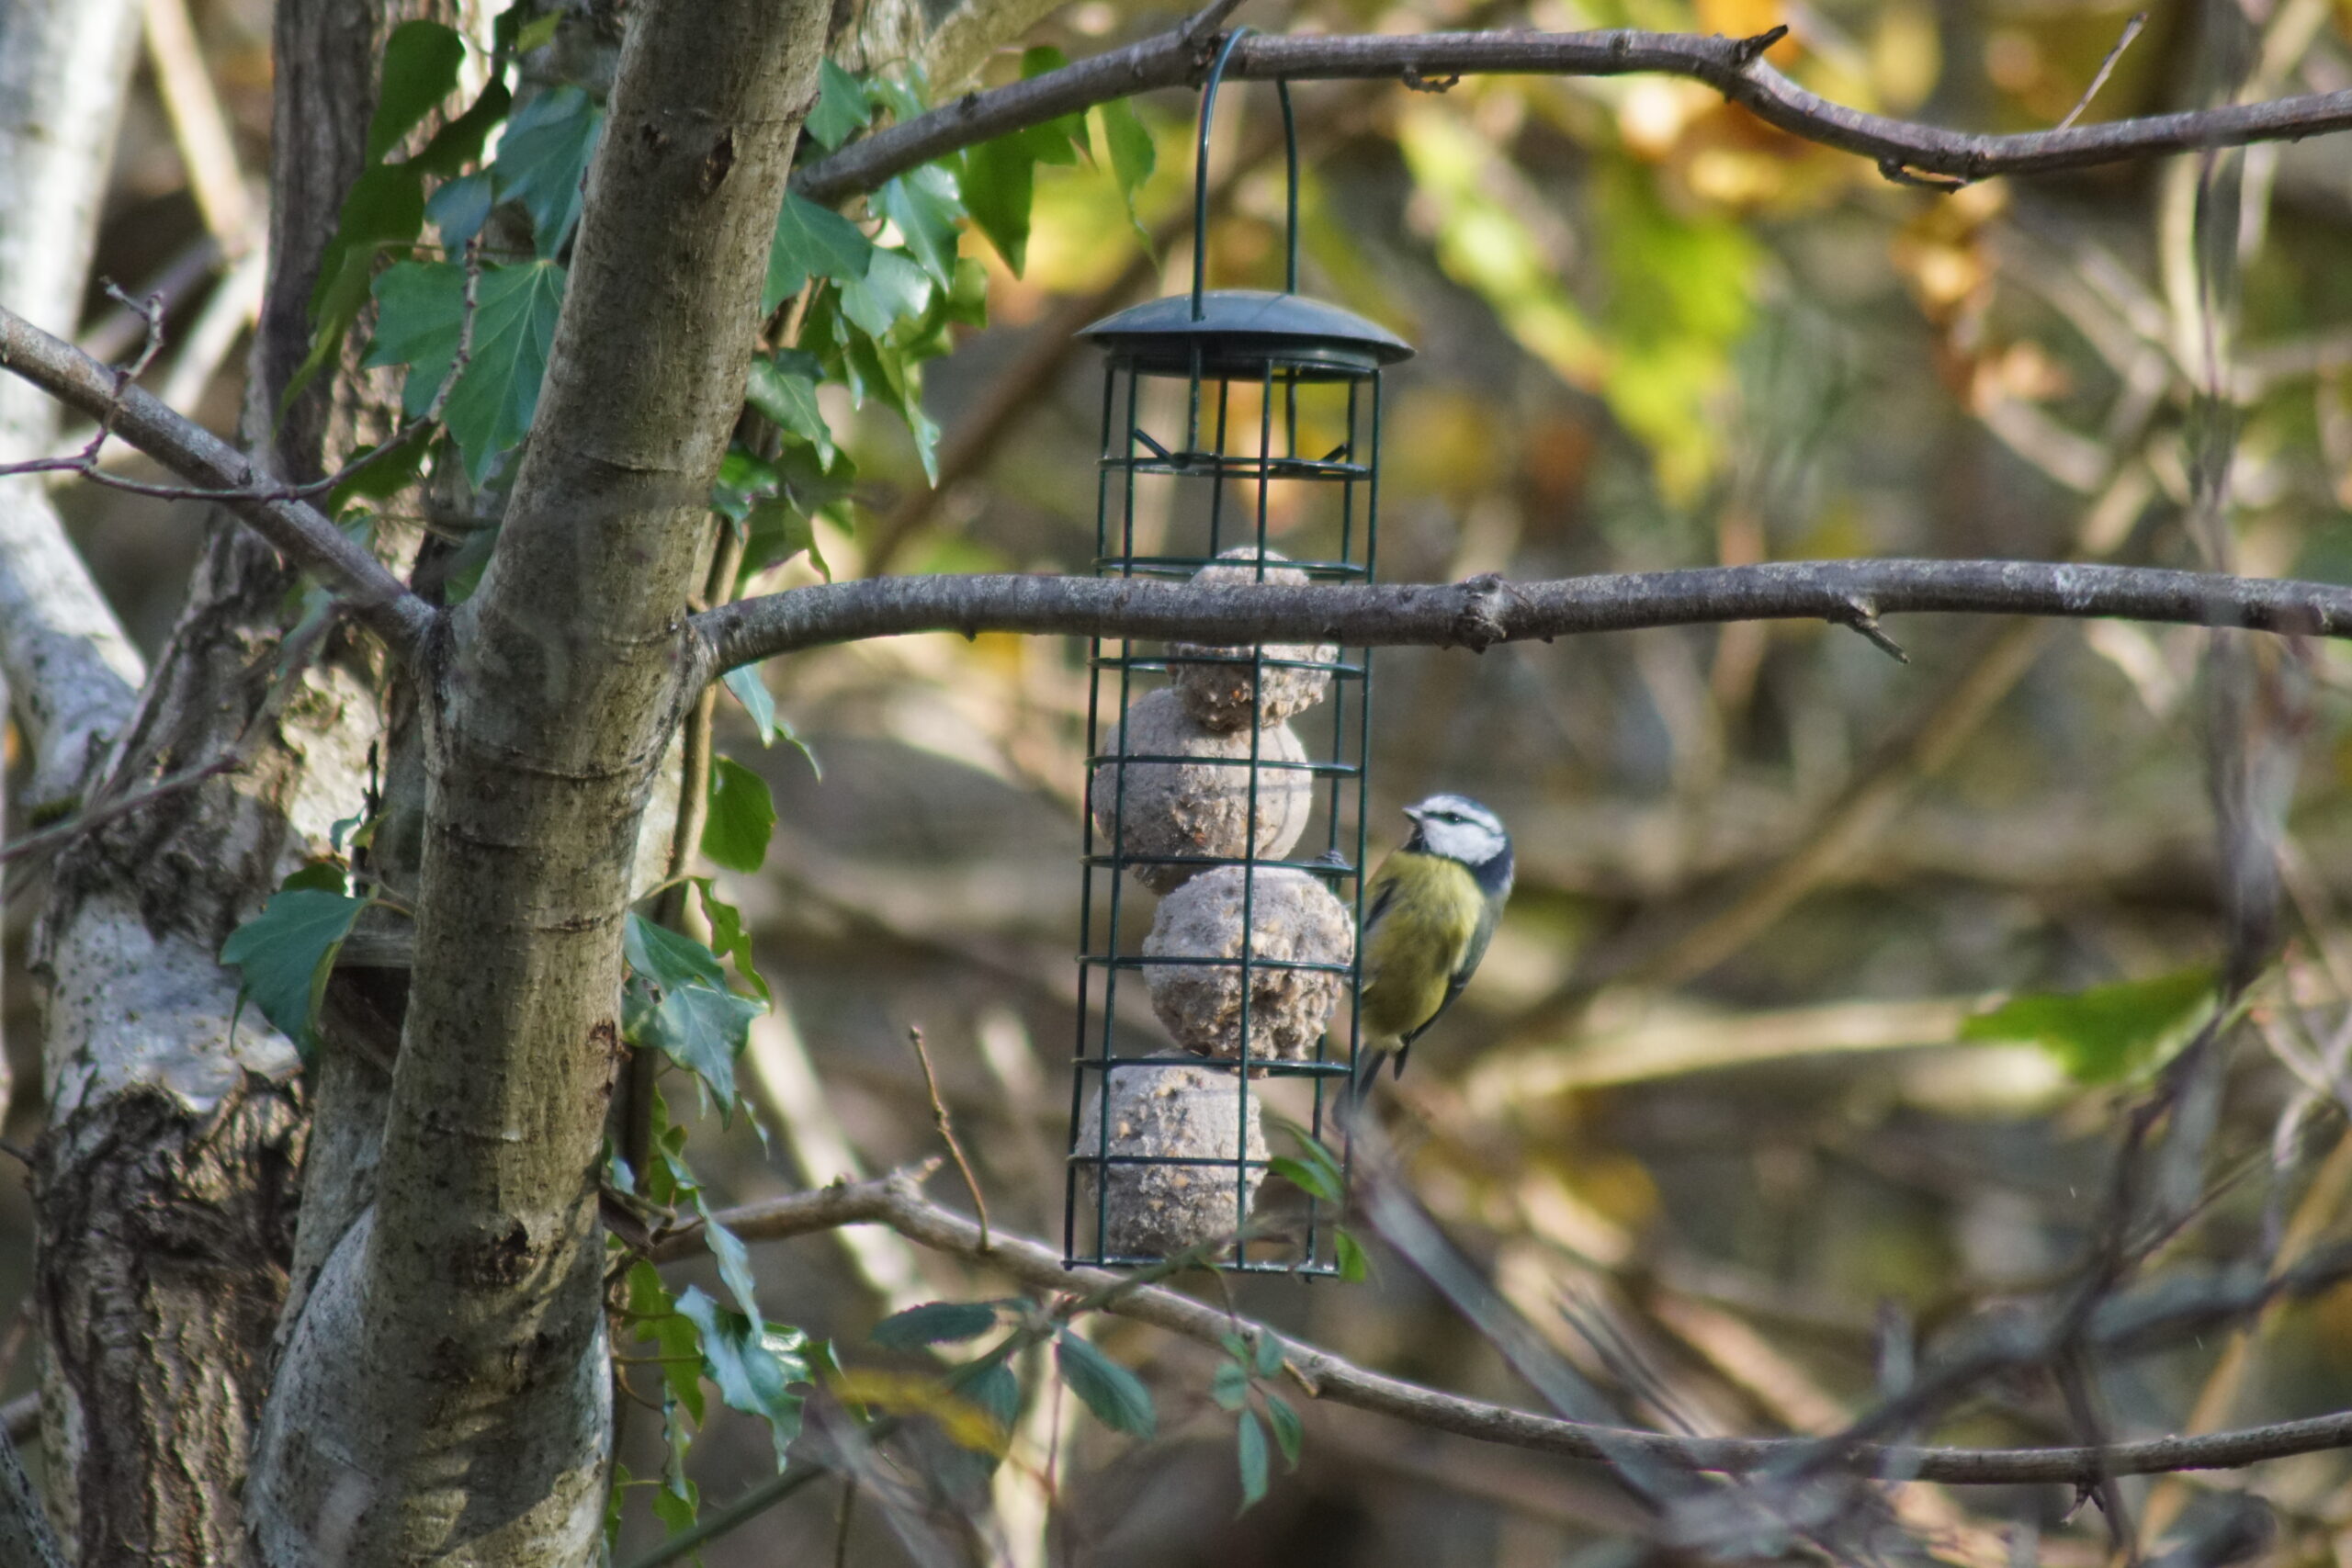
pixel 1240 443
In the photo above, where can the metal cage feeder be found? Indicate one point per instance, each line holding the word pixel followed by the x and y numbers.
pixel 1240 439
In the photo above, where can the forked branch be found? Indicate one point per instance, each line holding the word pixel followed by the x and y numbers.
pixel 1734 67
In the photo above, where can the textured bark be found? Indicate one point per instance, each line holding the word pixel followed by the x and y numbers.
pixel 166 1181
pixel 63 64
pixel 445 1392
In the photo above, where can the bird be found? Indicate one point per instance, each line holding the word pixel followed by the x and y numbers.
pixel 1428 913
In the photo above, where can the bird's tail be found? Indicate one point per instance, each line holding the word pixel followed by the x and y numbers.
pixel 1369 1065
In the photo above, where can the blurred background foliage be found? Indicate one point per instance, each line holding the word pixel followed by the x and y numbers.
pixel 1714 1112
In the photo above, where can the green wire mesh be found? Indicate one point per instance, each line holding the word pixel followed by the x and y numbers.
pixel 1189 470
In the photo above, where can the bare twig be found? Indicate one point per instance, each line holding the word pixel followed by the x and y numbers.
pixel 1901 150
pixel 939 1119
pixel 2106 68
pixel 1484 611
pixel 896 1203
pixel 300 532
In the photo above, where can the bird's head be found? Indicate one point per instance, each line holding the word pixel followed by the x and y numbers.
pixel 1459 828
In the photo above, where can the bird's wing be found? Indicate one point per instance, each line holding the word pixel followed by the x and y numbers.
pixel 1465 965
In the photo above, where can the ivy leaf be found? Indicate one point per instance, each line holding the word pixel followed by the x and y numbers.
pixel 733 1258
pixel 811 240
pixel 754 1365
pixel 420 310
pixel 1114 1394
pixel 657 1319
pixel 1250 1450
pixel 1308 1178
pixel 421 64
pixel 998 184
pixel 1133 156
pixel 741 818
pixel 788 395
pixel 704 1030
pixel 935 1322
pixel 514 317
pixel 2109 1032
pixel 543 158
pixel 893 289
pixel 778 531
pixel 1290 1432
pixel 458 144
pixel 667 958
pixel 927 208
pixel 459 208
pixel 384 208
pixel 731 936
pixel 1062 140
pixel 843 107
pixel 752 692
pixel 284 955
pixel 1348 1253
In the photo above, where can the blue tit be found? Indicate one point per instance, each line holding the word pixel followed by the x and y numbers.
pixel 1428 911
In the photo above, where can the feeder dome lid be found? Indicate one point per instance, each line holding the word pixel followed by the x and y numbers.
pixel 1242 331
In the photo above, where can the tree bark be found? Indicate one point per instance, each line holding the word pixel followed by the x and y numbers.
pixel 166 1183
pixel 445 1392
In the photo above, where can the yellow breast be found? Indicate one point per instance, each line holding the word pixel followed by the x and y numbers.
pixel 1412 951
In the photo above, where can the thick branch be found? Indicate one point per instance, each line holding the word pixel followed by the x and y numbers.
pixel 298 531
pixel 1483 611
pixel 895 1202
pixel 1732 66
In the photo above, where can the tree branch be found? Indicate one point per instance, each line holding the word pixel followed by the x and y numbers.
pixel 1732 66
pixel 1483 611
pixel 895 1201
pixel 298 532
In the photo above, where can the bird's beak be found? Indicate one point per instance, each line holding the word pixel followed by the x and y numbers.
pixel 1415 812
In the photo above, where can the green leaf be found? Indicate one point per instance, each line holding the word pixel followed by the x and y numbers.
pixel 1062 140
pixel 894 290
pixel 1309 1178
pixel 927 208
pixel 1290 1432
pixel 668 958
pixel 284 955
pixel 459 208
pixel 1229 1385
pixel 384 478
pixel 743 817
pixel 1250 1452
pixel 731 936
pixel 1267 1360
pixel 2109 1032
pixel 656 1314
pixel 1348 1253
pixel 788 397
pixel 1117 1399
pixel 1132 156
pixel 514 319
pixel 935 1322
pixel 733 1258
pixel 539 32
pixel 776 530
pixel 811 240
pixel 421 64
pixel 543 158
pixel 752 692
pixel 843 107
pixel 755 1366
pixel 385 206
pixel 998 184
pixel 459 142
pixel 419 308
pixel 704 1031
pixel 994 1389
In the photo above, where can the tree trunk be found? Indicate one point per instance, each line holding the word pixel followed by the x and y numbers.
pixel 167 1179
